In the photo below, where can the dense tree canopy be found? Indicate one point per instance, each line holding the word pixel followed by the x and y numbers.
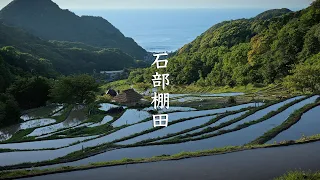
pixel 260 50
pixel 9 110
pixel 30 92
pixel 74 89
pixel 45 19
pixel 305 76
pixel 40 42
pixel 63 57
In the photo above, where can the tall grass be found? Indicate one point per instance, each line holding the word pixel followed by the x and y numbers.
pixel 300 175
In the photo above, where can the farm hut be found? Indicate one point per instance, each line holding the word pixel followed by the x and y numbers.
pixel 112 92
pixel 129 96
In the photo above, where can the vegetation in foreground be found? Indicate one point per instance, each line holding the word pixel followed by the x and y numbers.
pixel 183 155
pixel 299 175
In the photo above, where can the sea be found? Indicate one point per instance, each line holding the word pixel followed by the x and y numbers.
pixel 167 30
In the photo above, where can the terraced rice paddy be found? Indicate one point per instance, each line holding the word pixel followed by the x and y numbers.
pixel 40 112
pixel 131 116
pixel 240 137
pixel 76 117
pixel 56 143
pixel 223 120
pixel 8 132
pixel 105 120
pixel 308 125
pixel 199 97
pixel 107 106
pixel 170 129
pixel 171 109
pixel 134 128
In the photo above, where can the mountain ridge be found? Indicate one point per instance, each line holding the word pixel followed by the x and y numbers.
pixel 45 19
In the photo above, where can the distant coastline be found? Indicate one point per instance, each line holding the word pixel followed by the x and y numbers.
pixel 167 30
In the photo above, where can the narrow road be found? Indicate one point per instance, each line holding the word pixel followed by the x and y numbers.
pixel 260 164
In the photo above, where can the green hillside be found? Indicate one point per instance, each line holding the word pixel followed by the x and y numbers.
pixel 261 50
pixel 65 57
pixel 44 19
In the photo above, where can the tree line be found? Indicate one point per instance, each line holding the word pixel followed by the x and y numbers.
pixel 25 84
pixel 277 46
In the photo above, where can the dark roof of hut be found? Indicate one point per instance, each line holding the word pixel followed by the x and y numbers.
pixel 112 92
pixel 128 96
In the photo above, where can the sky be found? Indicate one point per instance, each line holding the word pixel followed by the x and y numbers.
pixel 173 4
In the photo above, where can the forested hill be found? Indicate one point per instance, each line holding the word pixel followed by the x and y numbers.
pixel 44 57
pixel 260 50
pixel 44 18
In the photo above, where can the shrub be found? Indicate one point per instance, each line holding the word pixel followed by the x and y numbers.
pixel 232 100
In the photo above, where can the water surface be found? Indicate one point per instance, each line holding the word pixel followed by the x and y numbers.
pixel 262 164
pixel 11 158
pixel 308 125
pixel 170 129
pixel 131 116
pixel 76 117
pixel 236 138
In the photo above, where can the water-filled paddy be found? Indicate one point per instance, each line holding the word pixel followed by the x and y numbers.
pixel 107 106
pixel 42 112
pixel 76 117
pixel 241 165
pixel 239 137
pixel 219 122
pixel 171 109
pixel 57 143
pixel 8 132
pixel 257 115
pixel 131 116
pixel 105 120
pixel 170 129
pixel 308 125
pixel 34 156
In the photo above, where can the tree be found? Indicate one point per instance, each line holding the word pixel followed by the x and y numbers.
pixel 74 89
pixel 5 75
pixel 9 110
pixel 30 92
pixel 306 77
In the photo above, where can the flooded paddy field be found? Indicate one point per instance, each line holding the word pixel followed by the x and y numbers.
pixel 226 166
pixel 136 126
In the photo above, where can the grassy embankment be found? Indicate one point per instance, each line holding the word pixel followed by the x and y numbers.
pixel 87 152
pixel 183 155
pixel 99 130
pixel 20 136
pixel 210 129
pixel 69 132
pixel 291 120
pixel 95 117
pixel 299 175
pixel 179 138
pixel 206 132
pixel 102 130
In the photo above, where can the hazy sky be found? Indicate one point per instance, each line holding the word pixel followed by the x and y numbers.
pixel 139 4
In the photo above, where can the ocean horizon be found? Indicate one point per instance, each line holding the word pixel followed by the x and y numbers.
pixel 161 30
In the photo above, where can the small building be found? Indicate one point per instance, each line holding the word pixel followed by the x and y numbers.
pixel 129 96
pixel 112 75
pixel 112 93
